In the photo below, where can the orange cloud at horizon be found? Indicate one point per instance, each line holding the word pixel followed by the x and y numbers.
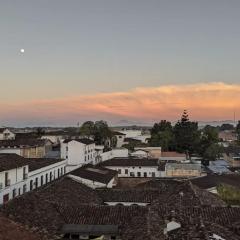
pixel 205 101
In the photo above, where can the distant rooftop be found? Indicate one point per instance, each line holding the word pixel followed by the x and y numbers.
pixel 172 154
pixel 81 140
pixel 22 142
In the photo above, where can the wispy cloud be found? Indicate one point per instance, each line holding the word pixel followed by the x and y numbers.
pixel 206 101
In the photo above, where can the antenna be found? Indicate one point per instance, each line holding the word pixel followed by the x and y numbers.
pixel 234 117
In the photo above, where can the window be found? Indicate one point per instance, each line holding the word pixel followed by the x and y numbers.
pixel 138 174
pixel 36 182
pixel 14 193
pixel 126 171
pixel 119 171
pixel 145 174
pixel 61 171
pixel 85 158
pixel 7 182
pixel 24 188
pixel 58 173
pixel 19 191
pixel 132 174
pixel 50 176
pixel 41 180
pixel 153 174
pixel 46 178
pixel 66 148
pixel 24 173
pixel 31 185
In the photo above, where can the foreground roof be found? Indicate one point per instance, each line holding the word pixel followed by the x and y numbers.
pixel 14 231
pixel 66 202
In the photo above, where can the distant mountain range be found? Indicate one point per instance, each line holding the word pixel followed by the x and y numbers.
pixel 126 122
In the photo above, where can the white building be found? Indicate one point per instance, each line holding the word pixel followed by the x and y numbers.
pixel 43 171
pixel 6 134
pixel 19 175
pixel 78 152
pixel 133 167
pixel 114 153
pixel 119 138
pixel 95 176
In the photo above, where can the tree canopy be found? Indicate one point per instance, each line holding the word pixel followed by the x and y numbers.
pixel 186 134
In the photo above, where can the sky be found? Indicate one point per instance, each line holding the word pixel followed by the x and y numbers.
pixel 128 60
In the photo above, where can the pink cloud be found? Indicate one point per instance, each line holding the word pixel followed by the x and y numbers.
pixel 206 101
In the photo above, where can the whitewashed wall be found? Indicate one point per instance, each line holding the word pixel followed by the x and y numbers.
pixel 135 171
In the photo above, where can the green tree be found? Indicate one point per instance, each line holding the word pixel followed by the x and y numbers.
pixel 87 129
pixel 186 135
pixel 162 135
pixel 163 125
pixel 209 148
pixel 102 132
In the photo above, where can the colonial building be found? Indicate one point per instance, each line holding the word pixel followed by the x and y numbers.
pixel 19 175
pixel 133 167
pixel 78 152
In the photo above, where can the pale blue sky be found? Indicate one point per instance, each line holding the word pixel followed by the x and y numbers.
pixel 76 46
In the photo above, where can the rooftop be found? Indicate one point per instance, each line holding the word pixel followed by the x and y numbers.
pixel 66 205
pixel 172 154
pixel 10 161
pixel 22 142
pixel 81 140
pixel 37 163
pixel 95 173
pixel 213 180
